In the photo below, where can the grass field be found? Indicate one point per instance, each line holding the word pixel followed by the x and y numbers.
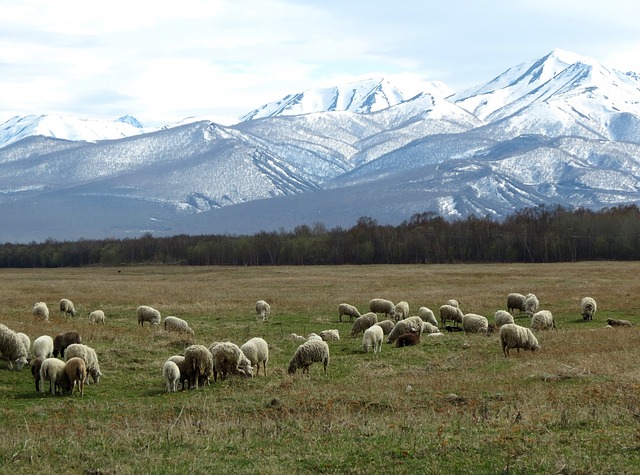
pixel 453 404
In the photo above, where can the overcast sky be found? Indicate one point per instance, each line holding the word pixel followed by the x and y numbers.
pixel 162 61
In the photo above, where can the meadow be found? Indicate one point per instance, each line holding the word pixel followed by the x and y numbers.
pixel 452 404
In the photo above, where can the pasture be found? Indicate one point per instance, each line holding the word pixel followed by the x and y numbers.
pixel 452 404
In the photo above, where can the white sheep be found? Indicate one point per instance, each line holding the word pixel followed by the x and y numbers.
pixel 426 314
pixel 97 316
pixel 263 310
pixel 26 341
pixel 515 336
pixel 180 362
pixel 67 308
pixel 228 358
pixel 41 311
pixel 330 335
pixel 453 303
pixel 363 322
pixel 502 317
pixel 171 374
pixel 429 328
pixel 372 338
pixel 257 351
pixel 76 372
pixel 543 320
pixel 306 354
pixel 531 304
pixel 347 309
pixel 198 365
pixel 449 312
pixel 148 314
pixel 175 324
pixel 474 323
pixel 89 356
pixel 386 325
pixel 43 347
pixel 52 370
pixel 408 325
pixel 296 337
pixel 12 348
pixel 313 336
pixel 401 311
pixel 588 308
pixel 382 306
pixel 515 301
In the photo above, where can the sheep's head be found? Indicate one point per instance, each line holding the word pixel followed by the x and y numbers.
pixel 20 362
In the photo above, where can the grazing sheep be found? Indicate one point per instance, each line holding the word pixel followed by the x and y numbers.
pixel 408 339
pixel 350 310
pixel 502 317
pixel 330 335
pixel 515 336
pixel 171 374
pixel 263 310
pixel 180 362
pixel 198 365
pixel 372 338
pixel 382 306
pixel 408 325
pixel 229 358
pixel 97 316
pixel 313 336
pixel 588 308
pixel 24 338
pixel 35 371
pixel 43 347
pixel 449 312
pixel 61 341
pixel 41 311
pixel 429 328
pixel 363 322
pixel 543 320
pixel 308 353
pixel 386 325
pixel 453 303
pixel 52 370
pixel 531 304
pixel 148 314
pixel 474 323
pixel 76 372
pixel 257 351
pixel 12 348
pixel 618 323
pixel 90 358
pixel 401 311
pixel 515 301
pixel 67 308
pixel 175 324
pixel 427 315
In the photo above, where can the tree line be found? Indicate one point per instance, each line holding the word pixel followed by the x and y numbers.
pixel 535 235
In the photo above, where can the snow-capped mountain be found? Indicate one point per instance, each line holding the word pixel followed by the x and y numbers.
pixel 561 129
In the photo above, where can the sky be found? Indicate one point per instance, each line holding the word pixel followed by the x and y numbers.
pixel 163 61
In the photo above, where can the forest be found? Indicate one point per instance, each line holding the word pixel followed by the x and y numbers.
pixel 531 235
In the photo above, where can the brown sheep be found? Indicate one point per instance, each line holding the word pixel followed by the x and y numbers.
pixel 76 371
pixel 408 339
pixel 61 341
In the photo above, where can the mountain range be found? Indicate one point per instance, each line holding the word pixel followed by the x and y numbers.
pixel 558 130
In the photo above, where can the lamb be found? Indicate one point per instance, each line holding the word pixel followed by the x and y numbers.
pixel 449 312
pixel 12 348
pixel 97 316
pixel 198 365
pixel 618 323
pixel 429 328
pixel 588 308
pixel 401 311
pixel 24 338
pixel 171 374
pixel 502 317
pixel 63 340
pixel 474 323
pixel 263 310
pixel 386 325
pixel 308 353
pixel 531 304
pixel 229 358
pixel 90 358
pixel 76 372
pixel 382 306
pixel 52 370
pixel 453 303
pixel 180 362
pixel 41 311
pixel 330 335
pixel 408 339
pixel 296 337
pixel 313 336
pixel 372 338
pixel 363 322
pixel 257 351
pixel 427 315
pixel 543 320
pixel 515 301
pixel 43 347
pixel 515 336
pixel 67 308
pixel 350 310
pixel 408 325
pixel 175 324
pixel 35 371
pixel 148 314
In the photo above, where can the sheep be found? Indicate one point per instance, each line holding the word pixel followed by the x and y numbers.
pixel 148 314
pixel 89 356
pixel 543 320
pixel 427 315
pixel 401 311
pixel 61 341
pixel 171 374
pixel 263 310
pixel 515 336
pixel 515 301
pixel 408 325
pixel 179 360
pixel 41 311
pixel 296 337
pixel 175 324
pixel 12 348
pixel 382 306
pixel 67 308
pixel 35 371
pixel 588 308
pixel 408 339
pixel 97 316
pixel 363 322
pixel 52 370
pixel 453 303
pixel 350 310
pixel 618 323
pixel 43 347
pixel 229 358
pixel 502 317
pixel 449 312
pixel 257 351
pixel 386 325
pixel 198 365
pixel 313 336
pixel 474 323
pixel 531 304
pixel 330 335
pixel 372 338
pixel 429 328
pixel 76 372
pixel 308 353
pixel 24 338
